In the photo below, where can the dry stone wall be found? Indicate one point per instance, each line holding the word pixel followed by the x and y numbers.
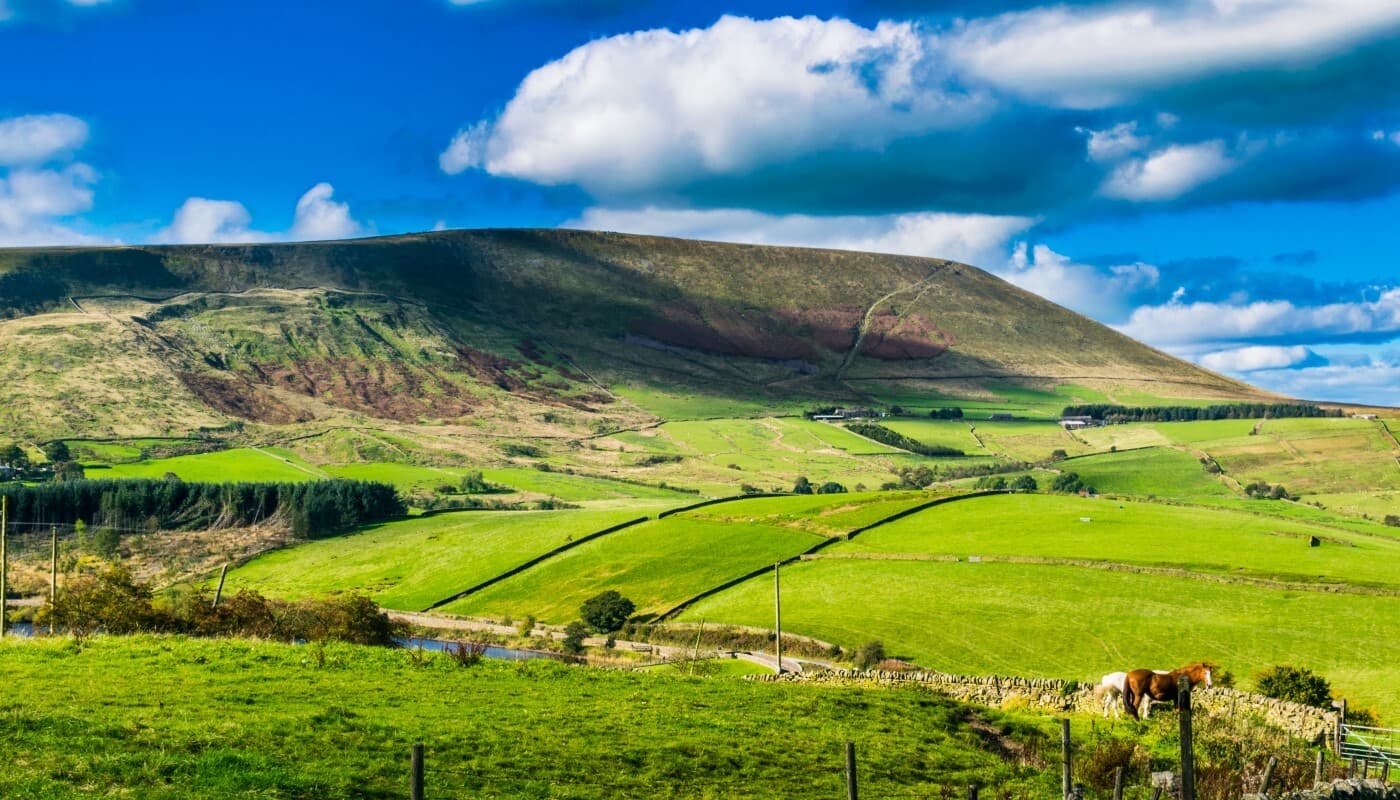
pixel 1059 696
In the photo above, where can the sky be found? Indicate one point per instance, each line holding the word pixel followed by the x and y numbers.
pixel 1218 178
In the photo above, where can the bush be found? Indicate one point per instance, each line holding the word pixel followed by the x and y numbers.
pixel 870 654
pixel 1296 684
pixel 831 487
pixel 802 485
pixel 574 635
pixel 1392 520
pixel 606 612
pixel 526 626
pixel 1025 483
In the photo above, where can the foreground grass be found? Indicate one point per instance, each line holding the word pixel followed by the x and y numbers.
pixel 160 718
pixel 1076 622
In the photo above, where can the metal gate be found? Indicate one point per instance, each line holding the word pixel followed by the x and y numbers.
pixel 1378 745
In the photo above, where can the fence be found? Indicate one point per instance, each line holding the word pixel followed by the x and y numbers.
pixel 1377 745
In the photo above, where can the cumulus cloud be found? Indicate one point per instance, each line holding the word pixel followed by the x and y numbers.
pixel 42 188
pixel 1099 57
pixel 200 220
pixel 1103 293
pixel 320 217
pixel 40 138
pixel 1168 173
pixel 1259 357
pixel 978 239
pixel 1178 323
pixel 1372 379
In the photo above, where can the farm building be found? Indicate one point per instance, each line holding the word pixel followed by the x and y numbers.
pixel 1075 423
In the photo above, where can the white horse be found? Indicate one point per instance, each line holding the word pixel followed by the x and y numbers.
pixel 1110 692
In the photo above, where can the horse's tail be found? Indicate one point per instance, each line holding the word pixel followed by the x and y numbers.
pixel 1129 700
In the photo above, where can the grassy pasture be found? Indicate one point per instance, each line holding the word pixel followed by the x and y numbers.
pixel 579 488
pixel 413 563
pixel 405 477
pixel 938 432
pixel 1074 622
pixel 238 464
pixel 1146 534
pixel 167 718
pixel 822 514
pixel 656 564
pixel 1159 471
pixel 1029 440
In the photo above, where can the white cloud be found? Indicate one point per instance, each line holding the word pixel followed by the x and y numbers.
pixel 1372 379
pixel 1381 136
pixel 200 220
pixel 1105 294
pixel 1168 173
pixel 978 239
pixel 1256 357
pixel 203 221
pixel 318 217
pixel 1193 323
pixel 40 138
pixel 1094 57
pixel 638 111
pixel 1115 143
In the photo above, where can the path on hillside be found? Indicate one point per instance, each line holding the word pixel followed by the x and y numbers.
pixel 919 286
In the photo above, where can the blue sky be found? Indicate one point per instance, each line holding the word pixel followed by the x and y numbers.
pixel 1220 178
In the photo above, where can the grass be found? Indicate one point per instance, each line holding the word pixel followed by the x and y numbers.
pixel 1074 622
pixel 579 487
pixel 1226 543
pixel 822 514
pixel 656 565
pixel 1158 471
pixel 715 667
pixel 937 432
pixel 166 718
pixel 405 477
pixel 239 464
pixel 414 563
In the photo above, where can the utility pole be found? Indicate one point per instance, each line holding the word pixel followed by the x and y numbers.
pixel 778 618
pixel 4 564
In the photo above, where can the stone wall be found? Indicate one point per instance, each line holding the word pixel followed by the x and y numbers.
pixel 1339 790
pixel 1058 696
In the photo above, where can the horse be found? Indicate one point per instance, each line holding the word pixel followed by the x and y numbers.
pixel 1142 686
pixel 1110 690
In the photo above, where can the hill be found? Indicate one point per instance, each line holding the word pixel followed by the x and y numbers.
pixel 534 332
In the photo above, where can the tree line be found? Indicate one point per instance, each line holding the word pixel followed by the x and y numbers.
pixel 1115 413
pixel 312 509
pixel 884 435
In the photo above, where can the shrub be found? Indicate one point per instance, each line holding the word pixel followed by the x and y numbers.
pixel 574 635
pixel 526 626
pixel 870 654
pixel 1393 520
pixel 606 612
pixel 748 488
pixel 1025 483
pixel 1297 684
pixel 1058 455
pixel 831 487
pixel 1068 482
pixel 802 485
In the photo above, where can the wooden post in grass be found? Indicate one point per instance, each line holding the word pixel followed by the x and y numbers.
pixel 53 567
pixel 1268 775
pixel 1156 793
pixel 778 620
pixel 219 592
pixel 851 788
pixel 1065 774
pixel 1317 767
pixel 1118 784
pixel 4 565
pixel 972 791
pixel 416 766
pixel 1351 767
pixel 1188 759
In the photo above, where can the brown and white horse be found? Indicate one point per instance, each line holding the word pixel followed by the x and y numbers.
pixel 1142 686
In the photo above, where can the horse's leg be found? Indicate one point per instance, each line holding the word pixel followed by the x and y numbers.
pixel 1146 705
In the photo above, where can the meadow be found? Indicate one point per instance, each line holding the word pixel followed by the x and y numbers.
pixel 414 563
pixel 166 718
pixel 242 463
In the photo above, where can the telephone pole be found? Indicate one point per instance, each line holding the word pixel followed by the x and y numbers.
pixel 4 564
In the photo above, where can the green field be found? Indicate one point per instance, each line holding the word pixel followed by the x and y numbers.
pixel 239 464
pixel 823 514
pixel 657 565
pixel 1075 622
pixel 412 564
pixel 170 718
pixel 1154 471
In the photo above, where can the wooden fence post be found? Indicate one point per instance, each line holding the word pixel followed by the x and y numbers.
pixel 1156 793
pixel 851 787
pixel 1351 767
pixel 219 592
pixel 1118 784
pixel 972 791
pixel 1188 759
pixel 1066 776
pixel 416 790
pixel 1317 768
pixel 1268 775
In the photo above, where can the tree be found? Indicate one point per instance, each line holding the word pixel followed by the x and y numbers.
pixel 574 634
pixel 802 486
pixel 1068 482
pixel 57 451
pixel 606 612
pixel 1025 483
pixel 14 455
pixel 831 487
pixel 1058 455
pixel 69 471
pixel 870 654
pixel 1296 684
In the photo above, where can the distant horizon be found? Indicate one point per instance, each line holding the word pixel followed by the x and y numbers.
pixel 1216 179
